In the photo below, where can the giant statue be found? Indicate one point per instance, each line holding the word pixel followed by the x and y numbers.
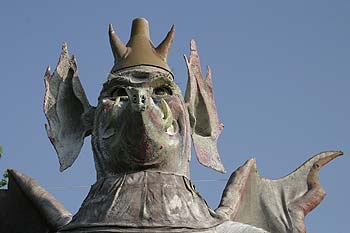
pixel 141 132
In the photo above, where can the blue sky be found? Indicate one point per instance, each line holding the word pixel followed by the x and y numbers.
pixel 280 72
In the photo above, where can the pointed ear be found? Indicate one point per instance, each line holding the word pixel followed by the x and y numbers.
pixel 66 107
pixel 205 123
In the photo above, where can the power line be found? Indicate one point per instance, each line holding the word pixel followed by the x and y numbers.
pixel 88 186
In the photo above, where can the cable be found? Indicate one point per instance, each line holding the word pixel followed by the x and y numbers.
pixel 88 186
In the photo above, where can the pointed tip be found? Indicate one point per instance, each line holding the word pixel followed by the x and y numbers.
pixel 19 177
pixel 186 59
pixel 208 70
pixel 111 29
pixel 74 62
pixel 48 71
pixel 141 19
pixel 163 48
pixel 193 45
pixel 12 171
pixel 325 159
pixel 140 26
pixel 208 76
pixel 73 59
pixel 340 153
pixel 118 47
pixel 223 171
pixel 64 47
pixel 63 166
pixel 252 161
pixel 64 53
pixel 217 166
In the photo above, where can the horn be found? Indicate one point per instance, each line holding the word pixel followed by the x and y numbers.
pixel 164 47
pixel 118 47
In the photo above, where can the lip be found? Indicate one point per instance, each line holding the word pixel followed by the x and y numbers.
pixel 147 163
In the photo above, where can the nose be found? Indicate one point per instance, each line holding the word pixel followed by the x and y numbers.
pixel 140 101
pixel 139 98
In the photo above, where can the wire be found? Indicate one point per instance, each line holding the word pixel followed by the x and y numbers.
pixel 88 186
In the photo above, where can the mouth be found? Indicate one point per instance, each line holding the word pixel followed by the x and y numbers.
pixel 143 136
pixel 160 114
pixel 149 162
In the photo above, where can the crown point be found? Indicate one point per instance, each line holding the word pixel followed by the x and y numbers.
pixel 118 47
pixel 111 29
pixel 140 27
pixel 163 48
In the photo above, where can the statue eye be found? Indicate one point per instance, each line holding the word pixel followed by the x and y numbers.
pixel 162 91
pixel 120 92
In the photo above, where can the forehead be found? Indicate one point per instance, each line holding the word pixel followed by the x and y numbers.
pixel 140 75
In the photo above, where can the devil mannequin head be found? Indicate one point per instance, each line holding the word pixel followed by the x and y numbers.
pixel 142 121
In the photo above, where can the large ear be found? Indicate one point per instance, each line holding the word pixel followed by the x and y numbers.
pixel 67 110
pixel 205 123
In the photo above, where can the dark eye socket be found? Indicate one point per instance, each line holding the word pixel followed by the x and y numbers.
pixel 119 92
pixel 162 91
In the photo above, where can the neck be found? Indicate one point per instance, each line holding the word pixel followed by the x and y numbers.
pixel 147 199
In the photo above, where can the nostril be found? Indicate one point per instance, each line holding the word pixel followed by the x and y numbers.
pixel 134 99
pixel 143 99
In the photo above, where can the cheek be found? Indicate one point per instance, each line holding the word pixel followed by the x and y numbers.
pixel 177 108
pixel 107 121
pixel 180 114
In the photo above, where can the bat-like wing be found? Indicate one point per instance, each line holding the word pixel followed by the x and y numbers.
pixel 274 205
pixel 27 207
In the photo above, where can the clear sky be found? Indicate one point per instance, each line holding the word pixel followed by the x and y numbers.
pixel 280 73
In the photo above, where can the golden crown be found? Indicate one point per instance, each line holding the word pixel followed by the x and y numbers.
pixel 140 49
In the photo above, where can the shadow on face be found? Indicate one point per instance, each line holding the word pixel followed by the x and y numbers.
pixel 141 123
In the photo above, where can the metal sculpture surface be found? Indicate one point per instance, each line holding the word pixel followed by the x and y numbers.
pixel 141 133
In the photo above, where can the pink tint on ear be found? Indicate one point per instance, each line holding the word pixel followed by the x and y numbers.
pixel 205 123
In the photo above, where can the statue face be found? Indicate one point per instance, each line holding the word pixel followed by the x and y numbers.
pixel 141 123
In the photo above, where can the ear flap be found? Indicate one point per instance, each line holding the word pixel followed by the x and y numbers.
pixel 66 107
pixel 205 123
